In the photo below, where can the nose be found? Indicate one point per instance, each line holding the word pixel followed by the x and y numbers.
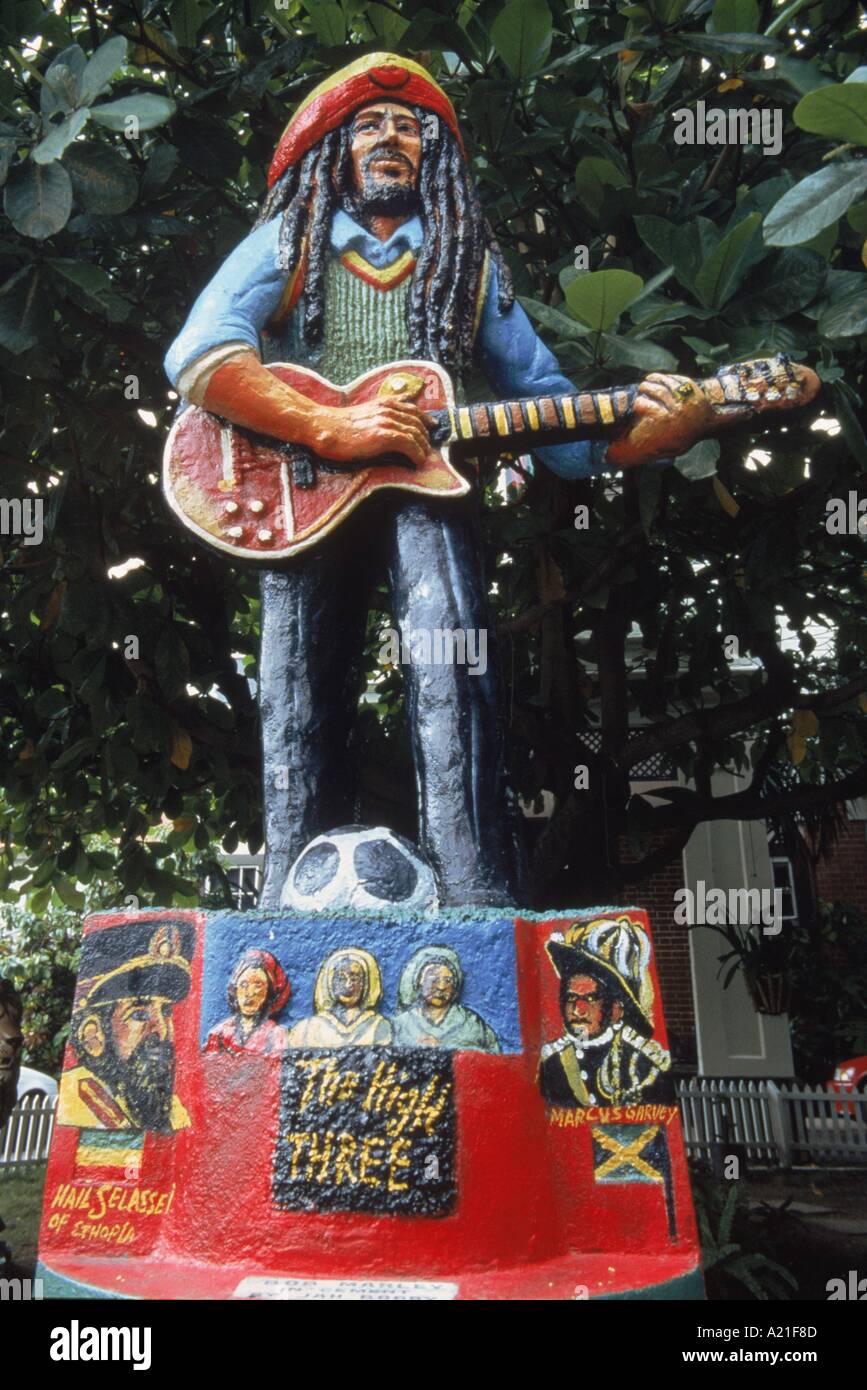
pixel 160 1024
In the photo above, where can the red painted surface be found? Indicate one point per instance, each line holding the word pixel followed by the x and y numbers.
pixel 530 1220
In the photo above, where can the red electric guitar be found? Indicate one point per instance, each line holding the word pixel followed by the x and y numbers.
pixel 262 500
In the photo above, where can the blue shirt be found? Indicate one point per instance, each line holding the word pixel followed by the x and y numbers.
pixel 245 292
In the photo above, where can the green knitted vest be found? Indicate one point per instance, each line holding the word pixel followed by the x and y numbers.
pixel 364 327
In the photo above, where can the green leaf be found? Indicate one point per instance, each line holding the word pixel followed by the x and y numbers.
pixel 172 661
pixel 700 461
pixel 101 68
pixel 814 204
pixel 857 218
pixel 56 141
pixel 592 176
pixel 838 111
pixel 68 894
pixel 846 317
pixel 638 352
pixel 95 288
pixel 521 35
pixel 187 18
pixel 61 87
pixel 390 27
pixel 25 314
pixel 693 244
pixel 658 234
pixel 145 108
pixel 791 279
pixel 599 297
pixel 804 77
pixel 722 272
pixel 102 180
pixel 735 17
pixel 9 143
pixel 726 46
pixel 328 21
pixel 557 322
pixel 850 425
pixel 38 199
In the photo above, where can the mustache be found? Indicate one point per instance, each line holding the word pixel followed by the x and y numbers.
pixel 383 150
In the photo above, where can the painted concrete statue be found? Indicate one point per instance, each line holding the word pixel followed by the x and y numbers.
pixel 373 271
pixel 463 1099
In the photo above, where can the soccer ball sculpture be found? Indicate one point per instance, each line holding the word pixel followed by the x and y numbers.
pixel 359 867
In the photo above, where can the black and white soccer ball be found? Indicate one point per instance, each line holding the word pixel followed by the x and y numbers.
pixel 359 866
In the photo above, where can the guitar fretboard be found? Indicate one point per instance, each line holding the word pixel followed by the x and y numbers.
pixel 592 413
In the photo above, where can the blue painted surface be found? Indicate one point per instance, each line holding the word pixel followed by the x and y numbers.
pixel 484 941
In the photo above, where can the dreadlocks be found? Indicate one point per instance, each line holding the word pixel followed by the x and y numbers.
pixel 445 284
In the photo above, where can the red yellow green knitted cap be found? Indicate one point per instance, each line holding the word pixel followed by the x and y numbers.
pixel 370 78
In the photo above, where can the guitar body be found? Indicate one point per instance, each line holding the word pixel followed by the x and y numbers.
pixel 239 493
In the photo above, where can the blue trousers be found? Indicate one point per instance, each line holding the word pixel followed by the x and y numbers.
pixel 314 616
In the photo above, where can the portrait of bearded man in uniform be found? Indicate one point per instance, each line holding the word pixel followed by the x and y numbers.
pixel 607 1054
pixel 131 978
pixel 371 247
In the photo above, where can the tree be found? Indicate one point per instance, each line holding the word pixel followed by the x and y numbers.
pixel 126 687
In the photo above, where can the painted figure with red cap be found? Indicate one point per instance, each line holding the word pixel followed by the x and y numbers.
pixel 258 991
pixel 372 247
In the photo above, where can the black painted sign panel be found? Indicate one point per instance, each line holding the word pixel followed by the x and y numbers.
pixel 367 1129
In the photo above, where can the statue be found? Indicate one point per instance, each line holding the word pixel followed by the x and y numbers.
pixel 374 278
pixel 456 1056
pixel 11 1044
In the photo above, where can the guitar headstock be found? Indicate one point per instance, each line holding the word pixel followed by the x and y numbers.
pixel 740 389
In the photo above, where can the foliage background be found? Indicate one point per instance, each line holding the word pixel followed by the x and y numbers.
pixel 129 773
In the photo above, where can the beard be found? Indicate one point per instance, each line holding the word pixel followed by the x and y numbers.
pixel 145 1081
pixel 379 195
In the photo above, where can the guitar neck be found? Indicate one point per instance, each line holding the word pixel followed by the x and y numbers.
pixel 735 392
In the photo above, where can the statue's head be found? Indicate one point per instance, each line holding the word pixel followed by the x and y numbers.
pixel 380 138
pixel 385 154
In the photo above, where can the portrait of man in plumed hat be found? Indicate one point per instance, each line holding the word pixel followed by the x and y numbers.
pixel 372 247
pixel 607 1054
pixel 131 979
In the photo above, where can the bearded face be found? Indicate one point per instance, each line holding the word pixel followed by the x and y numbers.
pixel 130 1046
pixel 386 154
pixel 11 1043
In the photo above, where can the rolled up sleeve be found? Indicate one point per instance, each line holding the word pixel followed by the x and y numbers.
pixel 236 304
pixel 517 363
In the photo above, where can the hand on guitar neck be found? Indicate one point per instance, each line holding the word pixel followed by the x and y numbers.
pixel 670 414
pixel 244 391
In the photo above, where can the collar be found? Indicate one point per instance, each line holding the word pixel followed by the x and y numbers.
pixel 581 1045
pixel 349 235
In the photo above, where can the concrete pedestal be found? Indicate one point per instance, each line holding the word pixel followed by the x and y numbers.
pixel 387 1149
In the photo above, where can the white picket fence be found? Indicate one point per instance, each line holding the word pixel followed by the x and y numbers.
pixel 769 1124
pixel 26 1136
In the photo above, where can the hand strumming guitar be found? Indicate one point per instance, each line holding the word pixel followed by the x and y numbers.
pixel 244 391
